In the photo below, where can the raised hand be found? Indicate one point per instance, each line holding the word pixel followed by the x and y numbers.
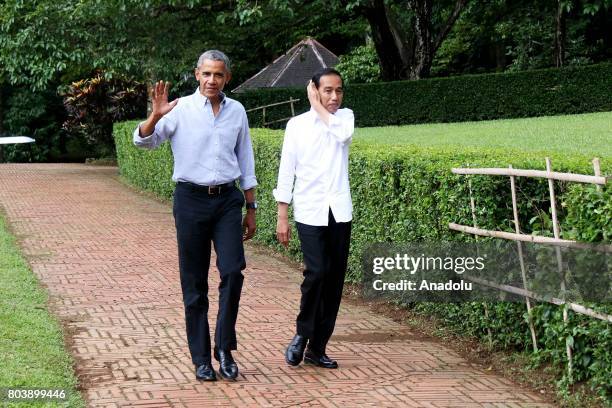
pixel 159 105
pixel 159 99
pixel 315 102
pixel 313 94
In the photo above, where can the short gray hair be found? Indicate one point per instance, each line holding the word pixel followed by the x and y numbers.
pixel 215 55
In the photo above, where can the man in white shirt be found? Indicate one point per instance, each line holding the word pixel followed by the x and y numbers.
pixel 315 153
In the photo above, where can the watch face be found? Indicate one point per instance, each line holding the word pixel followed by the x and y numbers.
pixel 251 205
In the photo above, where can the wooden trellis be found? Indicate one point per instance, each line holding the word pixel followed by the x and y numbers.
pixel 519 238
pixel 291 101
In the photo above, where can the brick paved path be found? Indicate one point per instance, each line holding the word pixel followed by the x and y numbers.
pixel 108 258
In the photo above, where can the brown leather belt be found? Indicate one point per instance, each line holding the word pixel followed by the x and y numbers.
pixel 210 190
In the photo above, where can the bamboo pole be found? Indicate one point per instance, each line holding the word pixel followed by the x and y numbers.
pixel 578 178
pixel 555 301
pixel 597 170
pixel 553 207
pixel 519 245
pixel 291 100
pixel 536 239
pixel 484 304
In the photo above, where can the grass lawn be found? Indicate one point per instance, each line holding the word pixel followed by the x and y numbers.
pixel 32 352
pixel 587 134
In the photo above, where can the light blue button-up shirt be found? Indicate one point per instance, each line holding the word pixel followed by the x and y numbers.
pixel 207 150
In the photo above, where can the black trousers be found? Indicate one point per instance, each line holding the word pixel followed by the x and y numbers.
pixel 325 250
pixel 200 219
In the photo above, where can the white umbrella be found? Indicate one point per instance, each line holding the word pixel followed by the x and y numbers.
pixel 15 139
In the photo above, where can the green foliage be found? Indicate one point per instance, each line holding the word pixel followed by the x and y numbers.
pixel 591 342
pixel 407 193
pixel 41 40
pixel 35 114
pixel 149 170
pixel 465 98
pixel 591 221
pixel 94 104
pixel 360 65
pixel 519 35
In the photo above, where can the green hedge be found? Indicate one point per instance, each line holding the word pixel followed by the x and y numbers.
pixel 456 99
pixel 407 193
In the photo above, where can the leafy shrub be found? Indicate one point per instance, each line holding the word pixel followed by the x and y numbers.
pixel 462 98
pixel 360 65
pixel 94 104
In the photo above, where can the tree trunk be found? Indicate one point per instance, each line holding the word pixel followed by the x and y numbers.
pixel 407 54
pixel 560 35
pixel 423 55
pixel 500 57
pixel 389 43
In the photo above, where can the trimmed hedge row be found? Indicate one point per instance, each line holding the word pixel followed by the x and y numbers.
pixel 406 194
pixel 455 99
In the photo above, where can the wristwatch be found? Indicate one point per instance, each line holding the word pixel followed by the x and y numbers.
pixel 251 206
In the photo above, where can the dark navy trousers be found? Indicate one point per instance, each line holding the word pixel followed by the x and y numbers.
pixel 325 250
pixel 202 219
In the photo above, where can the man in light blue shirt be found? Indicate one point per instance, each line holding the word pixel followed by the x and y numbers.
pixel 211 145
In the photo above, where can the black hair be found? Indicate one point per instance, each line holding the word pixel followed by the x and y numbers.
pixel 316 78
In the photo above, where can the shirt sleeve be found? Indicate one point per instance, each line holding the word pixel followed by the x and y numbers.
pixel 244 154
pixel 342 125
pixel 283 193
pixel 164 129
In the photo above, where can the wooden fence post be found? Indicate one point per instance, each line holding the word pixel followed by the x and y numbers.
pixel 519 245
pixel 553 208
pixel 484 304
pixel 597 170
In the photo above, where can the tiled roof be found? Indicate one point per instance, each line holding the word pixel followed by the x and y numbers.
pixel 294 68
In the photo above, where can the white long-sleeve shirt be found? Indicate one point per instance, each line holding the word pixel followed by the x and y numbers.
pixel 316 155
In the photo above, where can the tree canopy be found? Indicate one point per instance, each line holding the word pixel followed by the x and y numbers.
pixel 43 39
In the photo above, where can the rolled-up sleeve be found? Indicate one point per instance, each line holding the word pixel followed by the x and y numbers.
pixel 164 129
pixel 283 193
pixel 244 154
pixel 342 126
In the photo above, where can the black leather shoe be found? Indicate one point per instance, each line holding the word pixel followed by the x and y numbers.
pixel 228 369
pixel 320 360
pixel 205 372
pixel 295 350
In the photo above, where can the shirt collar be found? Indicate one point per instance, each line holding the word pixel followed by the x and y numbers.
pixel 205 99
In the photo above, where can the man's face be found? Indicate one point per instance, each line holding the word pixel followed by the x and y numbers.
pixel 330 89
pixel 212 76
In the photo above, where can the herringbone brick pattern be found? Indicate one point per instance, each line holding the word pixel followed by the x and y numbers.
pixel 107 256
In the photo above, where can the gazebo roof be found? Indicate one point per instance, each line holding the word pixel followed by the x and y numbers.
pixel 294 68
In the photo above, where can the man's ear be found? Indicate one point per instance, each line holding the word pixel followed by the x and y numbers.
pixel 229 77
pixel 195 72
